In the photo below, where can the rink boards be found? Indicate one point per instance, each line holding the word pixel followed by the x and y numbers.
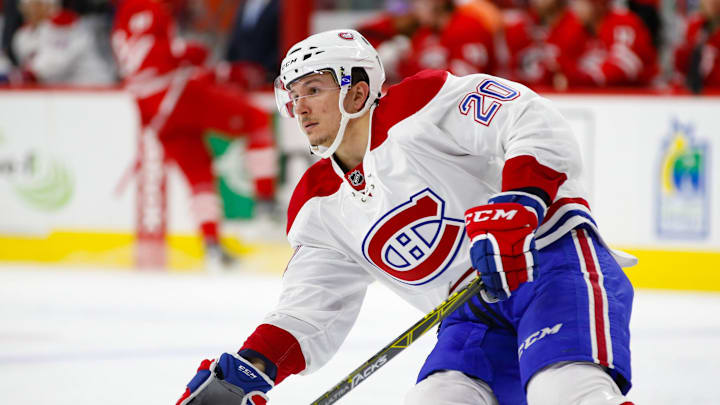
pixel 66 197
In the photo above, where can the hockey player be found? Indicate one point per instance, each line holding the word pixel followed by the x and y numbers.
pixel 698 56
pixel 57 47
pixel 581 43
pixel 179 100
pixel 543 40
pixel 619 50
pixel 437 34
pixel 442 178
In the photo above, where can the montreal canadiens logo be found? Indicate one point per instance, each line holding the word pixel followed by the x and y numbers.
pixel 415 242
pixel 346 35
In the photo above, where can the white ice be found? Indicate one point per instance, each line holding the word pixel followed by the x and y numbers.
pixel 85 336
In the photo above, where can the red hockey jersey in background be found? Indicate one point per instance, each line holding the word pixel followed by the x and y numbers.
pixel 148 52
pixel 465 45
pixel 620 54
pixel 707 43
pixel 537 52
pixel 179 99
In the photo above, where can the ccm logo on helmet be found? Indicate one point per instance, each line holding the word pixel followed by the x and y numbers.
pixel 288 63
pixel 485 215
pixel 346 35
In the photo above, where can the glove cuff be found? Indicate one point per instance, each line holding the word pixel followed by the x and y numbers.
pixel 240 372
pixel 270 367
pixel 531 202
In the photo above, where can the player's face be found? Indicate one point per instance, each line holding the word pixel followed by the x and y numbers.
pixel 585 10
pixel 34 11
pixel 429 12
pixel 710 8
pixel 315 104
pixel 543 7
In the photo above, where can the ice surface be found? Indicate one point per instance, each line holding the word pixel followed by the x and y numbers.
pixel 94 336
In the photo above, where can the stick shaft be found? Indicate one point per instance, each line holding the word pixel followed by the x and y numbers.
pixel 399 344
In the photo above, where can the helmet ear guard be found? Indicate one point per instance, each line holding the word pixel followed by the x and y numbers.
pixel 338 51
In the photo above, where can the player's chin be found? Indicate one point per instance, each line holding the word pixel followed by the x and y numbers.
pixel 317 138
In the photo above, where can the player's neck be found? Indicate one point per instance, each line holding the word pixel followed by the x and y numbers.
pixel 354 143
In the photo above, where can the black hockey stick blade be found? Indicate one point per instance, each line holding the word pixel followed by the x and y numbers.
pixel 400 343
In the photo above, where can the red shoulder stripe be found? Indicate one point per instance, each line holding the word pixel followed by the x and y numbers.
pixel 318 181
pixel 404 99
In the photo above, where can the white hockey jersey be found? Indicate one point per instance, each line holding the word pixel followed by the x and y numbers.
pixel 438 146
pixel 62 51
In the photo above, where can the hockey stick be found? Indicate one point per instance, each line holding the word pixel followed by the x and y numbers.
pixel 406 339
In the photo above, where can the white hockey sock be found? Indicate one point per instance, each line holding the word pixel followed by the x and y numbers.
pixel 573 383
pixel 450 387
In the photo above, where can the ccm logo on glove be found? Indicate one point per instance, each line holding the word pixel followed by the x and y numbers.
pixel 247 372
pixel 485 215
pixel 502 246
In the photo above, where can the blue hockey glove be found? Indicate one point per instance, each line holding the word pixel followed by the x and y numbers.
pixel 229 379
pixel 502 242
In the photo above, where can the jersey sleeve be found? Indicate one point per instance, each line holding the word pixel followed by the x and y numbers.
pixel 533 144
pixel 321 297
pixel 632 56
pixel 540 150
pixel 629 56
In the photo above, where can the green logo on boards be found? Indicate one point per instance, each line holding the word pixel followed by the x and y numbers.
pixel 683 194
pixel 42 182
pixel 234 184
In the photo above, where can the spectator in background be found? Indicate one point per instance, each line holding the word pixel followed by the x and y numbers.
pixel 618 48
pixel 457 36
pixel 12 20
pixel 542 42
pixel 697 58
pixel 55 46
pixel 5 68
pixel 648 12
pixel 255 36
pixel 580 43
pixel 179 100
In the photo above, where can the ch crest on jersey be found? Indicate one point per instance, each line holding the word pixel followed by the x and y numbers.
pixel 415 242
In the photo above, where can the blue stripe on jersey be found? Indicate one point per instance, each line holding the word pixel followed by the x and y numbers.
pixel 567 216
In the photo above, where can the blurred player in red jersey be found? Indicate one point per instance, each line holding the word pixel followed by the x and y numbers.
pixel 697 58
pixel 619 49
pixel 580 43
pixel 179 100
pixel 436 34
pixel 542 40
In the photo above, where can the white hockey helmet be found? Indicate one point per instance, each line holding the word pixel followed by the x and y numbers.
pixel 338 51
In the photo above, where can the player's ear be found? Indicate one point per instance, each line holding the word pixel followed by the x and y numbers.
pixel 359 95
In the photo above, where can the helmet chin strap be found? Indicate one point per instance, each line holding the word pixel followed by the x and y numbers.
pixel 325 152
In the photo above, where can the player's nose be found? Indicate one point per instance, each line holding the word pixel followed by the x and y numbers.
pixel 302 106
